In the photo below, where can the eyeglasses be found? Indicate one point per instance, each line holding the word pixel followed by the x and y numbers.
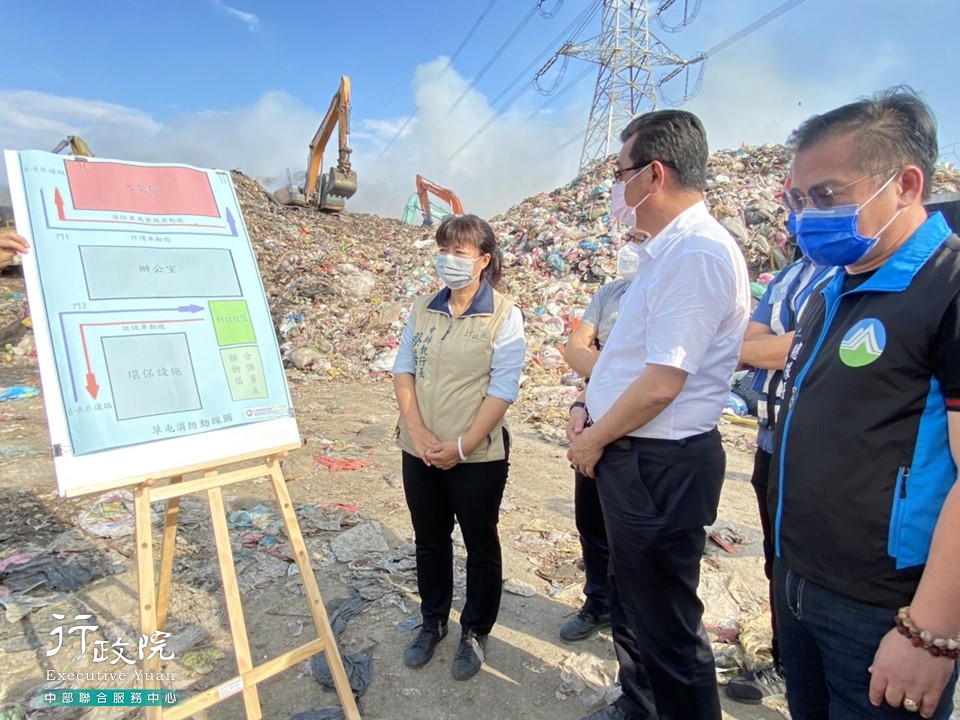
pixel 821 196
pixel 618 173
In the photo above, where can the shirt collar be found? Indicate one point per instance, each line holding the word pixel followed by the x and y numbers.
pixel 482 303
pixel 676 228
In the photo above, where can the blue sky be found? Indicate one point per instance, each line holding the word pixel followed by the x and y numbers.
pixel 244 83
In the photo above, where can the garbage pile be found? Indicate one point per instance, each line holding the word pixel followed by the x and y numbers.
pixel 340 285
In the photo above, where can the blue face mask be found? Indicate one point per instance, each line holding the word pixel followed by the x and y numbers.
pixel 832 237
pixel 792 225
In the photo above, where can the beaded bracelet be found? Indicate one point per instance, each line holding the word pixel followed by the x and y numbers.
pixel 938 647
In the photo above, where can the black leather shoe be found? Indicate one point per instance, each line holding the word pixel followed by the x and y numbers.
pixel 469 656
pixel 583 625
pixel 610 712
pixel 421 649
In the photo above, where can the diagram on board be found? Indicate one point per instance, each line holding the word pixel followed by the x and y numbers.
pixel 153 301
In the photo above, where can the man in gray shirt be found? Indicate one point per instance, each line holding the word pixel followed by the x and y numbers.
pixel 581 353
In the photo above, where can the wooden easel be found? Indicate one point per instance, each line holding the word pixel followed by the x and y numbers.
pixel 154 600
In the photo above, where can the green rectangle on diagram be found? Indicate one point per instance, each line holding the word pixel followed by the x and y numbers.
pixel 244 369
pixel 232 323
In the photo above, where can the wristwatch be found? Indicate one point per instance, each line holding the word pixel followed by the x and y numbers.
pixel 578 404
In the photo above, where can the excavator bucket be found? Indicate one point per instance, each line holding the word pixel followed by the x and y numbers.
pixel 336 187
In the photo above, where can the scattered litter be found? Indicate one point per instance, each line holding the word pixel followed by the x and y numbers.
pixel 202 661
pixel 336 463
pixel 393 480
pixel 756 639
pixel 359 667
pixel 408 625
pixel 47 571
pixel 18 392
pixel 735 405
pixel 260 517
pixel 588 677
pixel 17 606
pixel 726 537
pixel 15 451
pixel 778 703
pixel 359 541
pixel 111 515
pixel 341 611
pixel 519 587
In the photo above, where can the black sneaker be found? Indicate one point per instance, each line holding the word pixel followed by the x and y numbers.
pixel 421 649
pixel 469 656
pixel 753 687
pixel 583 625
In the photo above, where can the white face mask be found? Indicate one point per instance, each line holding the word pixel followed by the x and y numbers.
pixel 625 214
pixel 628 261
pixel 455 272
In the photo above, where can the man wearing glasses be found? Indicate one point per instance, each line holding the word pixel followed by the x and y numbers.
pixel 655 396
pixel 863 487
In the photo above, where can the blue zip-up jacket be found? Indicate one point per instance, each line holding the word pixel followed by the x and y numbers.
pixel 862 462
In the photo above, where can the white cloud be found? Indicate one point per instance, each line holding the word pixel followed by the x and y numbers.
pixel 262 139
pixel 249 19
pixel 516 157
pixel 745 98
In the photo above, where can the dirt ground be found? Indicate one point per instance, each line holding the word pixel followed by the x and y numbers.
pixel 522 677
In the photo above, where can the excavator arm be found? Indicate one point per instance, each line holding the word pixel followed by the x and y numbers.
pixel 77 146
pixel 425 187
pixel 328 192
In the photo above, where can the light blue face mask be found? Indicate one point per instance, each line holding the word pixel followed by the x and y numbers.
pixel 832 237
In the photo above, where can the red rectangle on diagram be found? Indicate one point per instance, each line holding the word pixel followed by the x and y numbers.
pixel 154 190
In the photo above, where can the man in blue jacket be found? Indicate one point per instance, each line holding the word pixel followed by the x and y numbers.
pixel 863 491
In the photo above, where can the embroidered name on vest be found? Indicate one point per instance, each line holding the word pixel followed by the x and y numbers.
pixel 475 336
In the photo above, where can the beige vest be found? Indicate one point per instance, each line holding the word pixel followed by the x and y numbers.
pixel 453 357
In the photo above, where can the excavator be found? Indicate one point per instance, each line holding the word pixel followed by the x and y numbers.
pixel 77 145
pixel 341 182
pixel 424 187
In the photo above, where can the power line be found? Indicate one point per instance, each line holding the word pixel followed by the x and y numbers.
pixel 416 53
pixel 754 26
pixel 688 15
pixel 574 28
pixel 577 26
pixel 556 96
pixel 456 54
pixel 476 25
pixel 497 53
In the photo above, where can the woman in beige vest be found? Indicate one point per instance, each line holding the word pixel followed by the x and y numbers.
pixel 457 371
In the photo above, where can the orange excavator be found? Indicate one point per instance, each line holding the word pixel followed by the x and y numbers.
pixel 326 191
pixel 424 187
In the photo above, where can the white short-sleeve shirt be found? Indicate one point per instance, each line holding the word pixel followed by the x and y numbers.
pixel 686 308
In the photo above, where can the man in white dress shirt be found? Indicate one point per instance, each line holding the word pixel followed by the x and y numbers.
pixel 655 396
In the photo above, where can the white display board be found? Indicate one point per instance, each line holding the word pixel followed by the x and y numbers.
pixel 154 339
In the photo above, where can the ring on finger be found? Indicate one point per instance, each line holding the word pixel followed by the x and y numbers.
pixel 911 705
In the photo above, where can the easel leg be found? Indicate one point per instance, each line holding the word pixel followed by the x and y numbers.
pixel 166 556
pixel 231 590
pixel 314 600
pixel 147 589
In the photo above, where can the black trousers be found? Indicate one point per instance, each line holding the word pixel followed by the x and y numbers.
pixel 471 493
pixel 657 496
pixel 761 482
pixel 593 543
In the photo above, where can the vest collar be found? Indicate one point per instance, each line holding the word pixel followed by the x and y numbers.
pixel 896 274
pixel 482 303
